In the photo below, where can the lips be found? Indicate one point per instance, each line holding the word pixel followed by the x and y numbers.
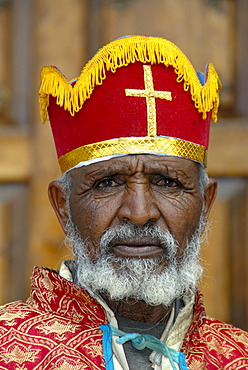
pixel 141 249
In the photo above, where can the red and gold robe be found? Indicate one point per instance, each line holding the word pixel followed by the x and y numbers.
pixel 58 327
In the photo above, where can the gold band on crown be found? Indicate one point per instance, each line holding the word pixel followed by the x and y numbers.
pixel 133 145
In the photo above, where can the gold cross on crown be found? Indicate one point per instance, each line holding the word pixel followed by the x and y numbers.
pixel 150 94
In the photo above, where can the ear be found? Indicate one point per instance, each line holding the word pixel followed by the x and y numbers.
pixel 209 196
pixel 57 197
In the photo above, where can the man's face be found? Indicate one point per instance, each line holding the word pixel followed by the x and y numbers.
pixel 137 190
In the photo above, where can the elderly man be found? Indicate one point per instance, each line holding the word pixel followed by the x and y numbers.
pixel 131 135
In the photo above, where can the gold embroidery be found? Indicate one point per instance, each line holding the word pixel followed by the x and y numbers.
pixel 47 284
pixel 11 316
pixel 94 348
pixel 57 327
pixel 130 145
pixel 66 364
pixel 197 365
pixel 77 317
pixel 240 338
pixel 19 353
pixel 48 287
pixel 23 367
pixel 150 94
pixel 222 347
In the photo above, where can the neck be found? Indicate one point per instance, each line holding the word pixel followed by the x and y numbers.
pixel 139 310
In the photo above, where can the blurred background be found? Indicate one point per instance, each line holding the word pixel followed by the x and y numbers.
pixel 66 33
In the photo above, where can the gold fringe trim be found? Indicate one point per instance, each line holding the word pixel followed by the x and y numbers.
pixel 120 53
pixel 130 145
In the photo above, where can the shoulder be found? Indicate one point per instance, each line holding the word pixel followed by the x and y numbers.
pixel 221 326
pixel 226 333
pixel 213 333
pixel 15 313
pixel 216 345
pixel 46 339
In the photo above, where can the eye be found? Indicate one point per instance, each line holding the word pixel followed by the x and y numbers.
pixel 105 183
pixel 167 182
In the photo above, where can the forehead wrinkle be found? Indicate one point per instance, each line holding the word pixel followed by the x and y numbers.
pixel 137 163
pixel 157 166
pixel 108 168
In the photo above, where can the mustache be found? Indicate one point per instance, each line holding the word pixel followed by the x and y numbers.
pixel 137 235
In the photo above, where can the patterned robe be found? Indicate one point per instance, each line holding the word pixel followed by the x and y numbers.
pixel 58 328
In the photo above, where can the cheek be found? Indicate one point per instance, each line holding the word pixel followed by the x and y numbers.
pixel 93 216
pixel 182 216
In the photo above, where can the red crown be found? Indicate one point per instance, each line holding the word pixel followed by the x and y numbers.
pixel 137 95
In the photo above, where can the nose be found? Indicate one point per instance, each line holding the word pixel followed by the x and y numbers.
pixel 138 205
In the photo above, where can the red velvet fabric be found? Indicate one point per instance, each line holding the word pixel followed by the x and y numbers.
pixel 110 114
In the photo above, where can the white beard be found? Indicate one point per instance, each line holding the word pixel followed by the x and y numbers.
pixel 137 278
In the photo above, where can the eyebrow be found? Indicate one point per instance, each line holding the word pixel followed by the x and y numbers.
pixel 121 167
pixel 165 168
pixel 109 169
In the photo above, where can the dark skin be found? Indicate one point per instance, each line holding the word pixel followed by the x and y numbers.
pixel 139 310
pixel 163 190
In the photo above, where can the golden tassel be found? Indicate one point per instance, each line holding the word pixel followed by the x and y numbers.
pixel 120 53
